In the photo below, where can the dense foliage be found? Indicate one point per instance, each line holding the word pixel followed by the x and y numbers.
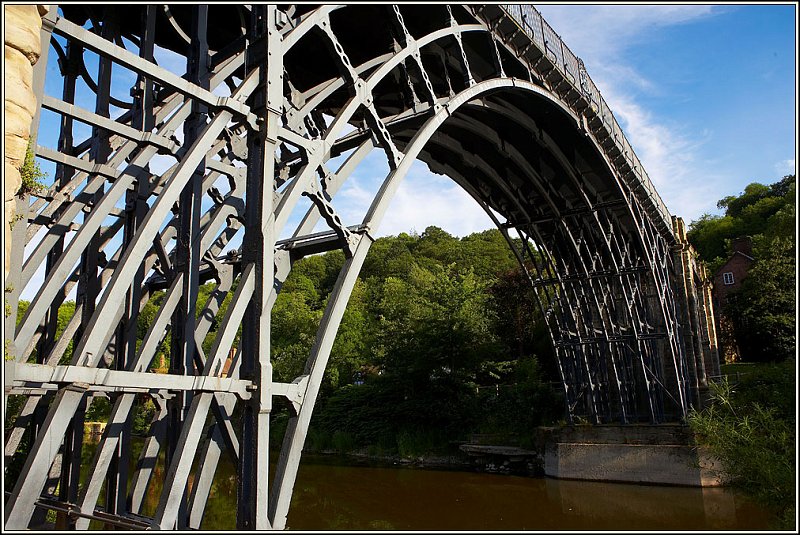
pixel 763 310
pixel 767 211
pixel 441 337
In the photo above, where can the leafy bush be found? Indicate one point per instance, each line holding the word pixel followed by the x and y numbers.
pixel 143 413
pixel 362 411
pixel 99 410
pixel 31 175
pixel 318 440
pixel 343 442
pixel 750 427
pixel 416 442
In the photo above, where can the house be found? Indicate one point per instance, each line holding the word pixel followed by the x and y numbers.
pixel 728 278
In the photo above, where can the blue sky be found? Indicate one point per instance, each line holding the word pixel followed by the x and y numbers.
pixel 706 94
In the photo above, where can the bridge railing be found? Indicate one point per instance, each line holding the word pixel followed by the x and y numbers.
pixel 574 71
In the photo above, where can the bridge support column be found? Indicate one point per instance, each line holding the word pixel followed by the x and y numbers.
pixel 699 334
pixel 711 351
pixel 663 454
pixel 22 48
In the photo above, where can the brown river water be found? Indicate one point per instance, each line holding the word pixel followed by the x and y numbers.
pixel 334 493
pixel 366 498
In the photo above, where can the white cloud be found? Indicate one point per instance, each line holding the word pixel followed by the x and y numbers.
pixel 670 158
pixel 421 200
pixel 425 199
pixel 597 31
pixel 786 166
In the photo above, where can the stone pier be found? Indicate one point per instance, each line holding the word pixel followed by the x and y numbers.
pixel 653 454
pixel 697 312
pixel 22 48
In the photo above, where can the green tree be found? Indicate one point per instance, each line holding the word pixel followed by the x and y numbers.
pixel 487 253
pixel 423 329
pixel 294 327
pixel 711 236
pixel 520 324
pixel 65 313
pixel 763 310
pixel 760 209
pixel 436 324
pixel 351 349
pixel 753 193
pixel 390 257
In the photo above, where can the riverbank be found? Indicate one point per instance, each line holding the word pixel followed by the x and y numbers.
pixel 664 454
pixel 482 453
pixel 429 460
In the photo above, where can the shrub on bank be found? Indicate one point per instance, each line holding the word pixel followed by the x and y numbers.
pixel 750 426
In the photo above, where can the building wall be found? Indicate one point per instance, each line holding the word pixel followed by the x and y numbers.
pixel 738 264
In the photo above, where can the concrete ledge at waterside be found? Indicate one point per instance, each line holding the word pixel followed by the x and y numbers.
pixel 502 451
pixel 505 459
pixel 665 464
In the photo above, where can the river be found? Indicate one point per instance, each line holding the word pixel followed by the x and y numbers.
pixel 364 498
pixel 333 493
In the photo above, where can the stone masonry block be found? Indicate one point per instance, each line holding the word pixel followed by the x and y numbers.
pixel 18 72
pixel 22 48
pixel 12 181
pixel 23 23
pixel 15 145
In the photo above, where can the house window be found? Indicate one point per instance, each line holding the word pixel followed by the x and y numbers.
pixel 727 278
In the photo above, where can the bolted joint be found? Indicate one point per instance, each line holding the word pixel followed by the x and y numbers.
pixel 362 92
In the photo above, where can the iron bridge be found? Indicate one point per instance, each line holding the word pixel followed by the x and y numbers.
pixel 189 134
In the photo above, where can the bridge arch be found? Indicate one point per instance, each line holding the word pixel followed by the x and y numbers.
pixel 432 128
pixel 473 91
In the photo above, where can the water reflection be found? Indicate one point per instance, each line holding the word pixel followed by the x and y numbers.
pixel 346 497
pixel 332 496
